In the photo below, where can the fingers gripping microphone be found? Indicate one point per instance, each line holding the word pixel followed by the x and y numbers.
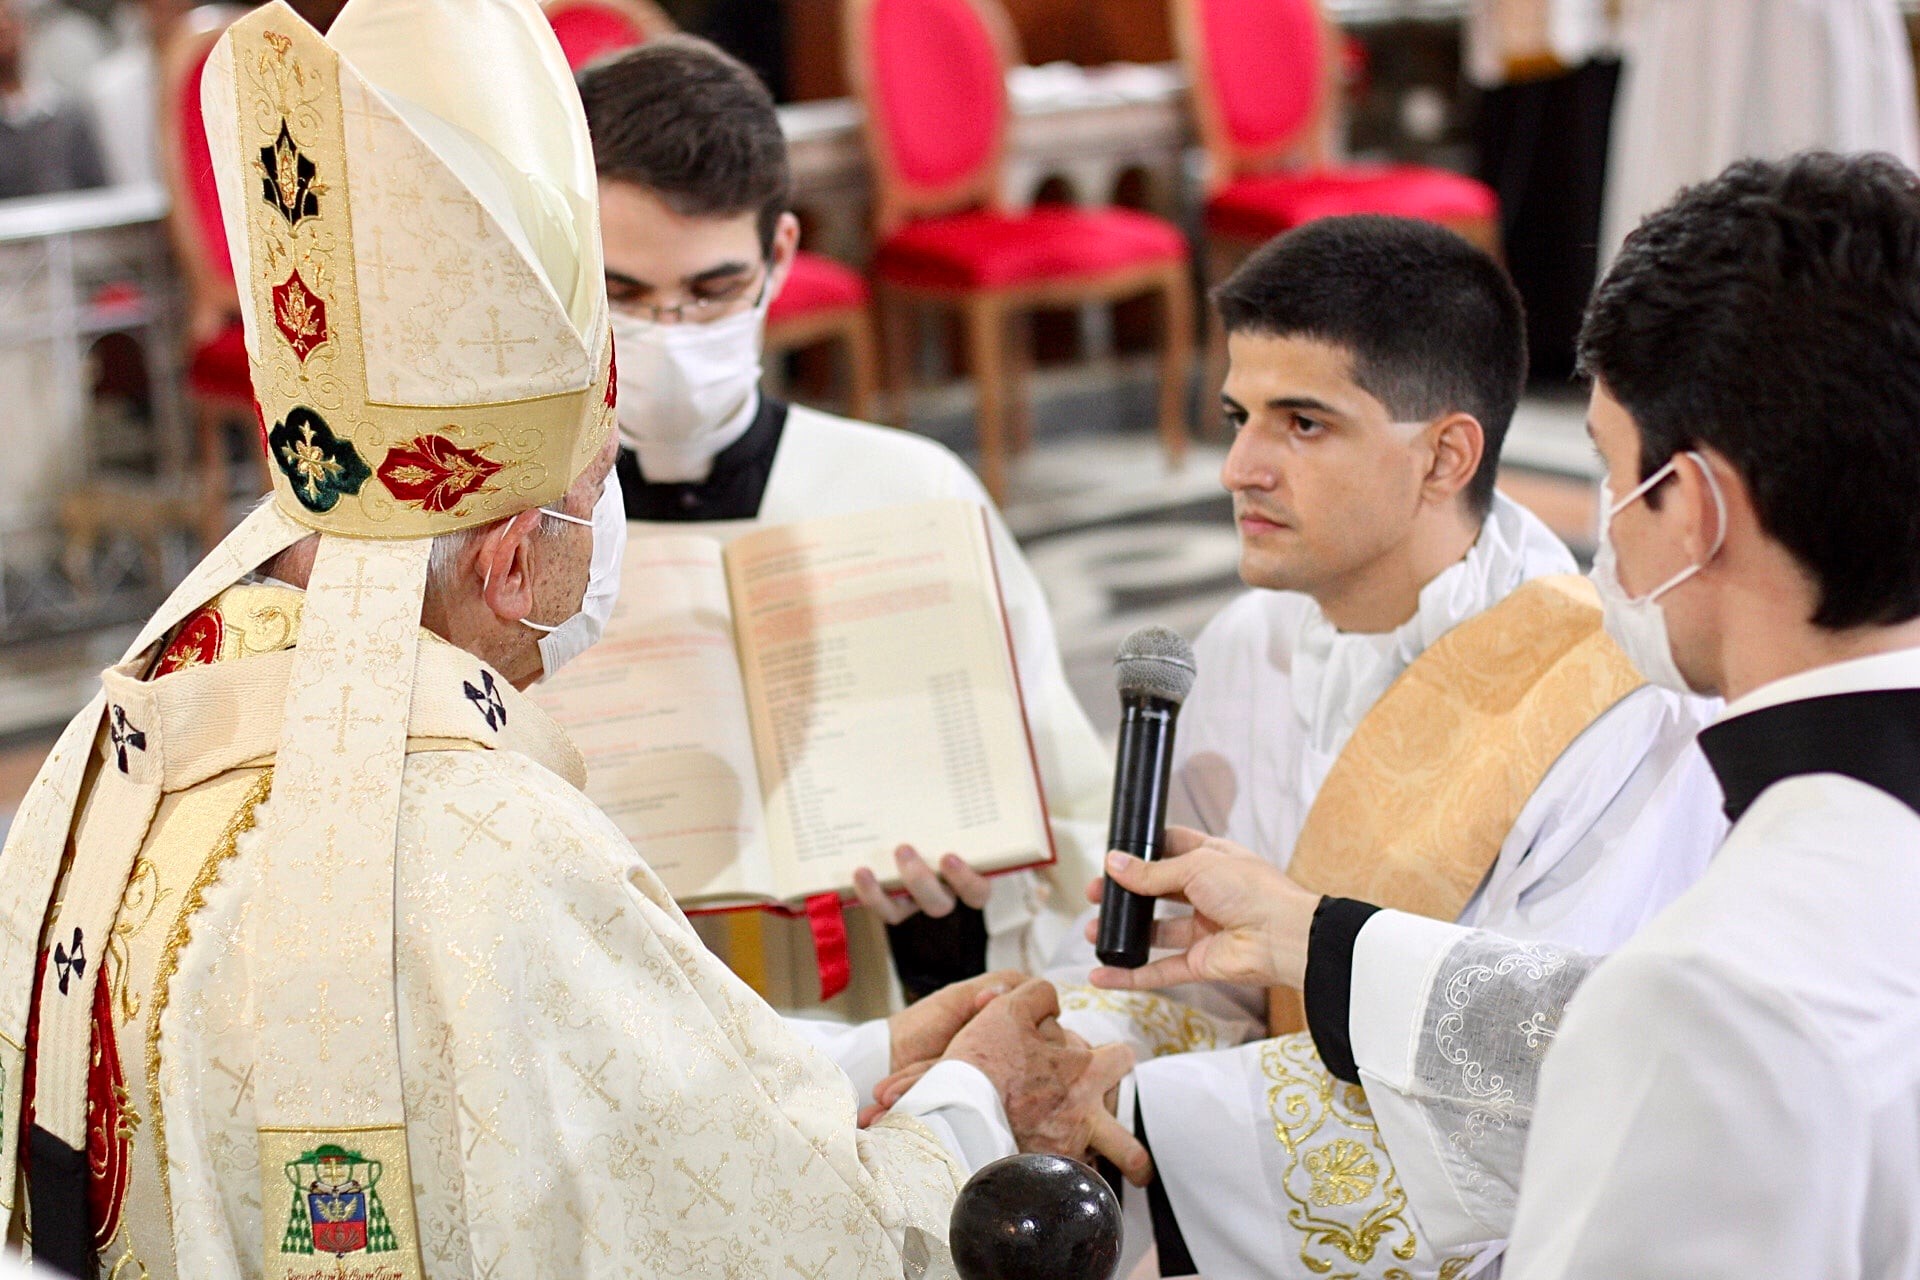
pixel 1154 670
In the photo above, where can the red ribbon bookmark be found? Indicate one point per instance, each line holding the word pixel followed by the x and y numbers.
pixel 829 943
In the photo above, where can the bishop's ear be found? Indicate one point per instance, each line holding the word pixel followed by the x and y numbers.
pixel 503 562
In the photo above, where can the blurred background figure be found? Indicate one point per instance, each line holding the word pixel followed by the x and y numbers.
pixel 47 143
pixel 1709 82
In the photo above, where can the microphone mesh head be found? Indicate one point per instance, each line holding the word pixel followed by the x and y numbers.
pixel 1156 662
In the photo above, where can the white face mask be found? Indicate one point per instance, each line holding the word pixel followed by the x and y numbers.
pixel 561 644
pixel 1639 626
pixel 686 390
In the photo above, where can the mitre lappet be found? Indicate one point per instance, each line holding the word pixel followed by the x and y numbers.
pixel 410 207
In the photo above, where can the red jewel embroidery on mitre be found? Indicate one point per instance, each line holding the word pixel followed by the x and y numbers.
pixel 613 371
pixel 300 316
pixel 195 644
pixel 435 472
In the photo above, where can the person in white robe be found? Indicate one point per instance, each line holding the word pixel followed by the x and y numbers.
pixel 1268 1165
pixel 1708 82
pixel 314 960
pixel 694 193
pixel 1734 1091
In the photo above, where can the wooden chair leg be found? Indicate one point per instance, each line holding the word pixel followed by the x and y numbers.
pixel 898 329
pixel 863 374
pixel 1221 261
pixel 986 352
pixel 1019 355
pixel 214 492
pixel 1176 360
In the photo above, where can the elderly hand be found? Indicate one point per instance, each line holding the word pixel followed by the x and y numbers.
pixel 926 890
pixel 921 1031
pixel 1249 923
pixel 1058 1091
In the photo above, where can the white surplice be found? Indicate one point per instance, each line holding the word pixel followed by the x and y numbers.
pixel 1708 82
pixel 1736 1092
pixel 827 466
pixel 1271 1168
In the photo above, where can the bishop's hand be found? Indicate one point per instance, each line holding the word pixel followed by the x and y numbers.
pixel 1058 1091
pixel 1249 924
pixel 922 1031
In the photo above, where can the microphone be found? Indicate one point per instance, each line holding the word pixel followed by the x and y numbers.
pixel 1154 670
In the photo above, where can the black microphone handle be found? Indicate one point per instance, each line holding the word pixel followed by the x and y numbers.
pixel 1143 767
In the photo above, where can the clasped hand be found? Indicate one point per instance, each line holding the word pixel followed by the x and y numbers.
pixel 1058 1091
pixel 1249 924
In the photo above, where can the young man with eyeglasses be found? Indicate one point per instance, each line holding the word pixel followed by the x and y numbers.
pixel 699 239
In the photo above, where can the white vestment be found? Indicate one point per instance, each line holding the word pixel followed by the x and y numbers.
pixel 829 466
pixel 1736 1092
pixel 1708 82
pixel 1272 1167
pixel 589 1092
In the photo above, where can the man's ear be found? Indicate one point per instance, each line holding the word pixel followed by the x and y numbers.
pixel 1704 516
pixel 1457 443
pixel 786 243
pixel 502 561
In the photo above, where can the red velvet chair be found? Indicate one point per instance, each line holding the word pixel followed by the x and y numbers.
pixel 590 29
pixel 931 75
pixel 1264 74
pixel 824 300
pixel 1264 78
pixel 218 383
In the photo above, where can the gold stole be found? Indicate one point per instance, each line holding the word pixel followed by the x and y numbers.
pixel 1415 809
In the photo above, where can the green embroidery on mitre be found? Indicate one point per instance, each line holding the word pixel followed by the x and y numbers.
pixel 336 1205
pixel 321 467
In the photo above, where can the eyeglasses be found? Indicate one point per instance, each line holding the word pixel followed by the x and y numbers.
pixel 697 310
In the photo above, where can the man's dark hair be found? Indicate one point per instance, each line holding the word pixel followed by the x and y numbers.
pixel 1433 324
pixel 697 128
pixel 1773 315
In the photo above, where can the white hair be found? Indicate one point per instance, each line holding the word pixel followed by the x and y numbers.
pixel 443 562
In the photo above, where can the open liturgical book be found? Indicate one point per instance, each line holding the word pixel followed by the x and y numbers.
pixel 765 716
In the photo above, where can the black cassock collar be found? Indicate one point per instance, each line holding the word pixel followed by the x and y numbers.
pixel 732 490
pixel 1872 736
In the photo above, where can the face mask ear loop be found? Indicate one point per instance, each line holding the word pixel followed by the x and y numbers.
pixel 486 579
pixel 1720 511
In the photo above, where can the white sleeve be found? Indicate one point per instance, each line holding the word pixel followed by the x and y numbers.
pixel 1274 1169
pixel 864 1050
pixel 1449 1027
pixel 963 1109
pixel 1448 1024
pixel 1688 1127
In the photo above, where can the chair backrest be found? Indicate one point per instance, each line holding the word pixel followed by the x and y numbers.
pixel 590 29
pixel 931 76
pixel 1262 76
pixel 199 236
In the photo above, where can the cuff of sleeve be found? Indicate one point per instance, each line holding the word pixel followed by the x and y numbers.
pixel 867 1057
pixel 958 1096
pixel 1395 964
pixel 1328 993
pixel 1012 905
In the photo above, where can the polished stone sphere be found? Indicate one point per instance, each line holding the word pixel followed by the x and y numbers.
pixel 1035 1217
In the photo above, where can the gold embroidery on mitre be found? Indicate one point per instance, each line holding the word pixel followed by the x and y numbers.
pixel 1420 800
pixel 1166 1025
pixel 1348 1208
pixel 329 436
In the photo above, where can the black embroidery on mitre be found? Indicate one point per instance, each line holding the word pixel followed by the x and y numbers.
pixel 321 467
pixel 287 179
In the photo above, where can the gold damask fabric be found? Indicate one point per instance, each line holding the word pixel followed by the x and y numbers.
pixel 1418 804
